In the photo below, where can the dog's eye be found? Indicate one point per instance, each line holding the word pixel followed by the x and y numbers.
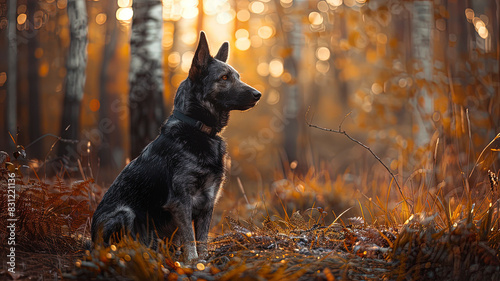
pixel 224 77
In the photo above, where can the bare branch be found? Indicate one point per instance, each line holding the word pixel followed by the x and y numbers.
pixel 343 132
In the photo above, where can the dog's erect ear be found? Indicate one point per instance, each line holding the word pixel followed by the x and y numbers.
pixel 223 52
pixel 201 57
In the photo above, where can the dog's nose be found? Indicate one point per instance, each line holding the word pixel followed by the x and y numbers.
pixel 256 95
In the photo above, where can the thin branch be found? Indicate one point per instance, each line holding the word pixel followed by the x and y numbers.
pixel 343 132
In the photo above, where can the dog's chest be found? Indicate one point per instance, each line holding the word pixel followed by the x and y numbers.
pixel 207 172
pixel 206 194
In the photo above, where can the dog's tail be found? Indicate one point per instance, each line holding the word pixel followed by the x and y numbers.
pixel 119 221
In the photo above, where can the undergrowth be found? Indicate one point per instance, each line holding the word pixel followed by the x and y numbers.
pixel 293 233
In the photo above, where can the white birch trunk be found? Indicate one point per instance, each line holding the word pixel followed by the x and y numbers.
pixel 146 74
pixel 422 49
pixel 76 64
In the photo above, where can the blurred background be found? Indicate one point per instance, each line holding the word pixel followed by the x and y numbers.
pixel 420 80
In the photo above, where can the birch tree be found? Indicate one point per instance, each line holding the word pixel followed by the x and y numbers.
pixel 422 50
pixel 292 106
pixel 146 74
pixel 76 64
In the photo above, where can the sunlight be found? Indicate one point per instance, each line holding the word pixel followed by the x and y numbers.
pixel 323 53
pixel 241 33
pixel 124 3
pixel 257 7
pixel 265 32
pixel 189 9
pixel 335 3
pixel 243 15
pixel 213 7
pixel 315 18
pixel 21 19
pixel 124 14
pixel 276 68
pixel 242 43
pixel 174 59
pixel 370 143
pixel 263 69
pixel 225 17
pixel 187 58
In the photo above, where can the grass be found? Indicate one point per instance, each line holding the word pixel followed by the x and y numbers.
pixel 302 227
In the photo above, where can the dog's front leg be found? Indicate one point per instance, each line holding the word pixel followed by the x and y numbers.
pixel 182 215
pixel 202 226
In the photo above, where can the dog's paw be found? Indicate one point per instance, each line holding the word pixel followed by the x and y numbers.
pixel 190 256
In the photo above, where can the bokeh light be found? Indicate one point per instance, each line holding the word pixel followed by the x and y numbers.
pixel 335 3
pixel 38 53
pixel 21 9
pixel 94 105
pixel 257 7
pixel 377 88
pixel 226 17
pixel 21 19
pixel 174 59
pixel 276 68
pixel 273 97
pixel 263 69
pixel 242 44
pixel 124 14
pixel 212 7
pixel 189 9
pixel 243 15
pixel 190 37
pixel 315 18
pixel 382 38
pixel 323 53
pixel 61 4
pixel 3 78
pixel 469 14
pixel 322 6
pixel 286 3
pixel 322 66
pixel 187 59
pixel 241 33
pixel 265 32
pixel 483 32
pixel 124 3
pixel 256 41
pixel 101 18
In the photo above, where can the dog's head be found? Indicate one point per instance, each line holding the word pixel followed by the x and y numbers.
pixel 216 84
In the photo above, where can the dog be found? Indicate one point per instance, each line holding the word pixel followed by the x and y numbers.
pixel 175 182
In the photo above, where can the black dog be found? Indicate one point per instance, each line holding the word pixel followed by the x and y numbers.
pixel 176 179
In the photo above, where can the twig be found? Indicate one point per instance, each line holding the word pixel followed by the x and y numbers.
pixel 343 132
pixel 242 190
pixel 51 135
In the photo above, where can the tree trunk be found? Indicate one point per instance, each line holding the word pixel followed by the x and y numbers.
pixel 146 74
pixel 34 100
pixel 105 150
pixel 11 109
pixel 75 78
pixel 422 49
pixel 292 104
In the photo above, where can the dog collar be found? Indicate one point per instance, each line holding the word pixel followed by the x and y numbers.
pixel 195 123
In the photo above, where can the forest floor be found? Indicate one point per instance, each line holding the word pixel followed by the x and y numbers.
pixel 460 243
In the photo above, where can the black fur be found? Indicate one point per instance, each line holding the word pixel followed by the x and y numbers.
pixel 177 178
